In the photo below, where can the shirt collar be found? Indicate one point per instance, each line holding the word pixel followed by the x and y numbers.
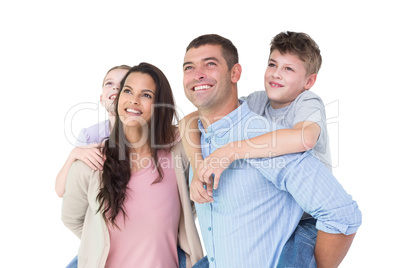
pixel 223 125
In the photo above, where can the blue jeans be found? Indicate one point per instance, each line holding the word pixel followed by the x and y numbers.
pixel 73 263
pixel 203 263
pixel 298 251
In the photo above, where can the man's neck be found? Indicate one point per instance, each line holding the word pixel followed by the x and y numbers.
pixel 210 116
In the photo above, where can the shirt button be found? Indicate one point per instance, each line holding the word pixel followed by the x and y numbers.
pixel 212 259
pixel 209 228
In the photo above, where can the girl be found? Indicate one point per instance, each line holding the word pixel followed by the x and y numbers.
pixel 88 141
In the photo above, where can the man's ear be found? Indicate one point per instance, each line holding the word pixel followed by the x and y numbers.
pixel 235 73
pixel 310 81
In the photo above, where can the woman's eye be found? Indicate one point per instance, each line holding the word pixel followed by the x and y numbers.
pixel 288 69
pixel 125 90
pixel 146 95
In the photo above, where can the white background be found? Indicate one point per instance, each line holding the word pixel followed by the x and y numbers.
pixel 54 55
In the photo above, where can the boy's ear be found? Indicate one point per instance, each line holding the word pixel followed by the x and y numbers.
pixel 235 73
pixel 310 81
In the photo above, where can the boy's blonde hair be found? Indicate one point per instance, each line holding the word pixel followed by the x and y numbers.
pixel 301 45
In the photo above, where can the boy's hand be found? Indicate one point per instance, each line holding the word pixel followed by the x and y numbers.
pixel 198 193
pixel 90 155
pixel 215 164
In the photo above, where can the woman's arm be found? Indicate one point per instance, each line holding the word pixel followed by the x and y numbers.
pixel 89 154
pixel 75 199
pixel 190 135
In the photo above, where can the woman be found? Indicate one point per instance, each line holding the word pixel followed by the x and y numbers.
pixel 137 210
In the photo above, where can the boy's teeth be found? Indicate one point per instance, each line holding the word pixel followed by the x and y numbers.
pixel 201 87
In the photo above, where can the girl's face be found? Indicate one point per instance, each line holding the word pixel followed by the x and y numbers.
pixel 135 106
pixel 110 88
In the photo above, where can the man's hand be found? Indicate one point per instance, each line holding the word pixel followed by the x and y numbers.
pixel 90 155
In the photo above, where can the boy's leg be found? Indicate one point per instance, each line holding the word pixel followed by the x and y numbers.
pixel 299 249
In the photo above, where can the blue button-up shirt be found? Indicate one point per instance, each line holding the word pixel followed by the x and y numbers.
pixel 259 202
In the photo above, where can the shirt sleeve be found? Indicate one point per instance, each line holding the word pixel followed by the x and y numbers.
pixel 83 138
pixel 257 102
pixel 309 107
pixel 315 189
pixel 75 198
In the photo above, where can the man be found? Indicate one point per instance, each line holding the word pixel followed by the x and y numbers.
pixel 259 201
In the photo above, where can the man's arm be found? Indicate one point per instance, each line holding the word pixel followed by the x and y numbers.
pixel 330 249
pixel 190 135
pixel 318 193
pixel 302 137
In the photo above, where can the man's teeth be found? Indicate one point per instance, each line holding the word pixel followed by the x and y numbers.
pixel 201 87
pixel 133 111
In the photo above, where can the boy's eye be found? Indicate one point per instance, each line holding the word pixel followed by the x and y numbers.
pixel 271 65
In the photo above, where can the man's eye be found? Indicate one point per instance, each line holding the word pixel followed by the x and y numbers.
pixel 211 63
pixel 188 68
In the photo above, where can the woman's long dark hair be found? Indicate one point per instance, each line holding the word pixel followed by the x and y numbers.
pixel 116 169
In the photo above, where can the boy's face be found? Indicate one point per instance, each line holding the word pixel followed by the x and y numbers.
pixel 110 87
pixel 286 78
pixel 206 78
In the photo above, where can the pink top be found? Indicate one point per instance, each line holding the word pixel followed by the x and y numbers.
pixel 148 236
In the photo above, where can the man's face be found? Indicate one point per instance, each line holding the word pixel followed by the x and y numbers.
pixel 206 77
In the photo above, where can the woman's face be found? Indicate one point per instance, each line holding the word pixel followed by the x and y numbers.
pixel 136 100
pixel 110 87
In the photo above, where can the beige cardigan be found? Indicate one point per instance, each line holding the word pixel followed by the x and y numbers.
pixel 80 207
